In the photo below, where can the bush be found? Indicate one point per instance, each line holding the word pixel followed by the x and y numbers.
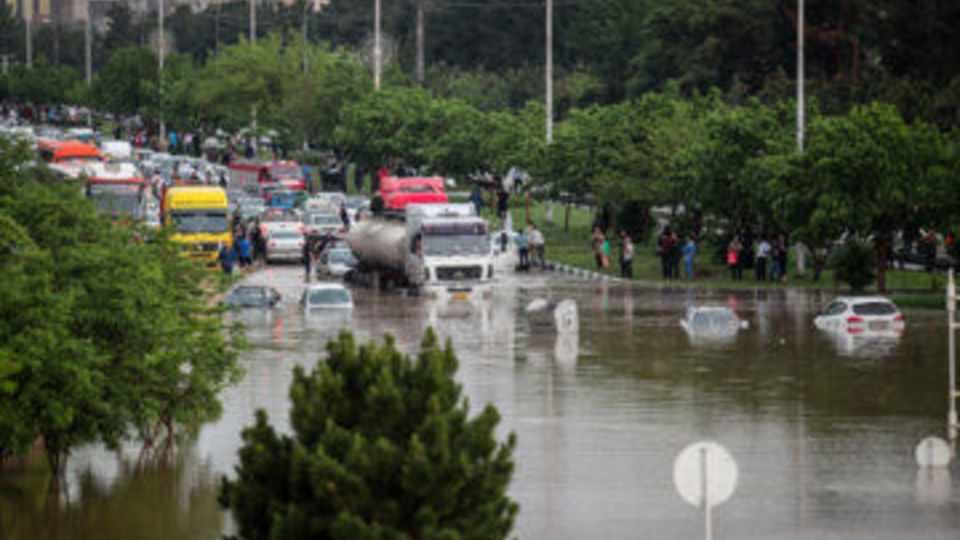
pixel 854 265
pixel 382 447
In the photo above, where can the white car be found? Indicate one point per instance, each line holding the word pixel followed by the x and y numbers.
pixel 712 324
pixel 326 296
pixel 320 223
pixel 862 315
pixel 284 244
pixel 336 262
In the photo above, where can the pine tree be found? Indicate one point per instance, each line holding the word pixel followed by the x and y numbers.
pixel 382 447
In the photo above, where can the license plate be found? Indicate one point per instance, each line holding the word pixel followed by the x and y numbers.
pixel 879 325
pixel 461 296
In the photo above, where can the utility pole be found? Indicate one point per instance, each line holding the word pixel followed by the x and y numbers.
pixel 800 76
pixel 306 41
pixel 952 392
pixel 88 46
pixel 549 70
pixel 419 68
pixel 253 21
pixel 160 52
pixel 27 8
pixel 377 45
pixel 216 31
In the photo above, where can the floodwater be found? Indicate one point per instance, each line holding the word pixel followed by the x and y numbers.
pixel 822 427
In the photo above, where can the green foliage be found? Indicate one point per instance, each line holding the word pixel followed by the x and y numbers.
pixel 104 328
pixel 383 447
pixel 853 264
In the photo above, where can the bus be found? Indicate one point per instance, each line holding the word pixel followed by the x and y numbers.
pixel 199 217
pixel 117 189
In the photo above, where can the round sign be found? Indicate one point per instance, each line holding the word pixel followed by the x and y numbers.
pixel 705 474
pixel 933 452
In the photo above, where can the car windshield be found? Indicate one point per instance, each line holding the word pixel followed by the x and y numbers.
pixel 342 256
pixel 280 217
pixel 324 219
pixel 420 188
pixel 285 235
pixel 874 308
pixel 249 295
pixel 328 296
pixel 199 221
pixel 78 159
pixel 456 239
pixel 714 319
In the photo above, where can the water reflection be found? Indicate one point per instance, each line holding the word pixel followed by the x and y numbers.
pixel 823 440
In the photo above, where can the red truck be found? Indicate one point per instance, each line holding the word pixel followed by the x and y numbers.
pixel 251 177
pixel 398 192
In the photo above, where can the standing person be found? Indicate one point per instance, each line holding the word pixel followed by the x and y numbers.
pixel 307 258
pixel 597 241
pixel 774 261
pixel 689 253
pixel 344 216
pixel 173 140
pixel 626 255
pixel 674 248
pixel 256 238
pixel 763 251
pixel 663 250
pixel 227 258
pixel 244 247
pixel 503 201
pixel 523 247
pixel 733 258
pixel 606 252
pixel 476 197
pixel 538 245
pixel 783 256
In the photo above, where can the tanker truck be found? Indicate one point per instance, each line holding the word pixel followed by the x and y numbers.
pixel 441 250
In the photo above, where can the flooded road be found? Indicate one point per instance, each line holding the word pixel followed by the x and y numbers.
pixel 823 427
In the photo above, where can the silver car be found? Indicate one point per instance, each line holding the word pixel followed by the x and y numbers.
pixel 336 262
pixel 284 245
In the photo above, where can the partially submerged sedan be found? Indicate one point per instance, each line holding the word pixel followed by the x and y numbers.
pixel 712 324
pixel 861 315
pixel 326 296
pixel 252 296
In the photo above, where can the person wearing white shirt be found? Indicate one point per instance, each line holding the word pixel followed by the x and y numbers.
pixel 763 253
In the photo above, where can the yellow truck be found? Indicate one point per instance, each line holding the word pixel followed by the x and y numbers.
pixel 199 219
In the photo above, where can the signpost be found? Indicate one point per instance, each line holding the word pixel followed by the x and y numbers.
pixel 705 475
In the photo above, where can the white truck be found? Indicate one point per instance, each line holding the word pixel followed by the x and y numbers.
pixel 441 250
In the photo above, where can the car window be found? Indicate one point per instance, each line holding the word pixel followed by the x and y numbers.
pixel 328 296
pixel 836 308
pixel 285 235
pixel 874 308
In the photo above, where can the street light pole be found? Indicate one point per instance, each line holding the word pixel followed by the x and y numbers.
pixel 377 45
pixel 419 67
pixel 160 52
pixel 253 21
pixel 88 47
pixel 28 30
pixel 800 77
pixel 549 70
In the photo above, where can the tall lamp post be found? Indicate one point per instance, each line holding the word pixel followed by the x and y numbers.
pixel 549 71
pixel 800 76
pixel 377 45
pixel 160 52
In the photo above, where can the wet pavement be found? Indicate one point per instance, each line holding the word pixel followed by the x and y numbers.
pixel 823 427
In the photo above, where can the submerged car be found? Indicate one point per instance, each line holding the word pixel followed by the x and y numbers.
pixel 706 323
pixel 326 296
pixel 252 296
pixel 861 315
pixel 336 262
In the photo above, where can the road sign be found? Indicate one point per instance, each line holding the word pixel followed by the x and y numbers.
pixel 933 452
pixel 705 475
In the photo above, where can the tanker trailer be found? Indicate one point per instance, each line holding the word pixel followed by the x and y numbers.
pixel 381 251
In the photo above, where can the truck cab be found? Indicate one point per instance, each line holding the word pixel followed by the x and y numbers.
pixel 449 252
pixel 199 215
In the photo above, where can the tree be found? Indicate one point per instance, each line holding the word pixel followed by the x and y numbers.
pixel 128 81
pixel 105 329
pixel 382 447
pixel 120 30
pixel 874 168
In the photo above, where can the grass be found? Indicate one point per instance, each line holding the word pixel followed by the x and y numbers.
pixel 572 247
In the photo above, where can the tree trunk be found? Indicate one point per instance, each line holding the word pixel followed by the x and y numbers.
pixel 526 205
pixel 882 243
pixel 566 217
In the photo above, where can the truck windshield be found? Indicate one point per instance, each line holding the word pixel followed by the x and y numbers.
pixel 277 173
pixel 455 238
pixel 199 221
pixel 117 199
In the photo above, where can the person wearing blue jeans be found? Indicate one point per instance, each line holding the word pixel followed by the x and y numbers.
pixel 689 252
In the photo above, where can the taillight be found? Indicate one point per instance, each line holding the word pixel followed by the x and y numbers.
pixel 855 325
pixel 272 244
pixel 899 323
